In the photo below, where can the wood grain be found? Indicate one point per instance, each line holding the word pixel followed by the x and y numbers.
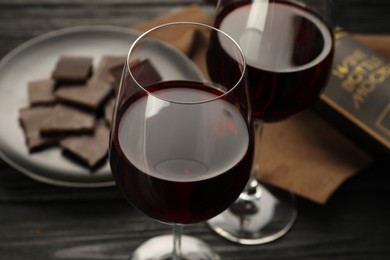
pixel 39 221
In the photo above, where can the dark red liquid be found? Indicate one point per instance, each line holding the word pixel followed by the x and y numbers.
pixel 289 67
pixel 173 200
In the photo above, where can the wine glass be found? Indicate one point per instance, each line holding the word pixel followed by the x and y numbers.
pixel 181 145
pixel 289 50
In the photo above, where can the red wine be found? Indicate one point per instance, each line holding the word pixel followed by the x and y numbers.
pixel 196 176
pixel 289 52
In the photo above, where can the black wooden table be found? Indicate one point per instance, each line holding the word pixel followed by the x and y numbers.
pixel 40 221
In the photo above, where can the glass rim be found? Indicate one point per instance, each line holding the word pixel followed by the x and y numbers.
pixel 142 36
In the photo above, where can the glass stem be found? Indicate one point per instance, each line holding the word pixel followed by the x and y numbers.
pixel 177 232
pixel 252 187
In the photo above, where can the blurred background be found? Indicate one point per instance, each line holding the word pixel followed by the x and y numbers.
pixel 359 16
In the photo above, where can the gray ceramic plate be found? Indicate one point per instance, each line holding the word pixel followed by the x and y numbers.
pixel 34 60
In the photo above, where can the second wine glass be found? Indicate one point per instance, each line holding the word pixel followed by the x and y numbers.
pixel 289 49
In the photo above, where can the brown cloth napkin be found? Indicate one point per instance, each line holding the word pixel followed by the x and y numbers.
pixel 377 42
pixel 306 156
pixel 302 154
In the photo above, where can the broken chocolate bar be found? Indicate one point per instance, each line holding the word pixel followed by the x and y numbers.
pixel 78 99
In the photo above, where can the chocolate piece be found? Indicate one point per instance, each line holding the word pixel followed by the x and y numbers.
pixel 106 64
pixel 89 149
pixel 91 95
pixel 31 119
pixel 40 92
pixel 116 73
pixel 143 71
pixel 66 119
pixel 72 69
pixel 108 110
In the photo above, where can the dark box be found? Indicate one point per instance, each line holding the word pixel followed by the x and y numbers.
pixel 357 97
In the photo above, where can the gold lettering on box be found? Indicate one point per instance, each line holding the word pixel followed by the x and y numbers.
pixel 360 75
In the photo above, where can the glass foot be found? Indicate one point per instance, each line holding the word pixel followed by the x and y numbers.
pixel 261 217
pixel 160 248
